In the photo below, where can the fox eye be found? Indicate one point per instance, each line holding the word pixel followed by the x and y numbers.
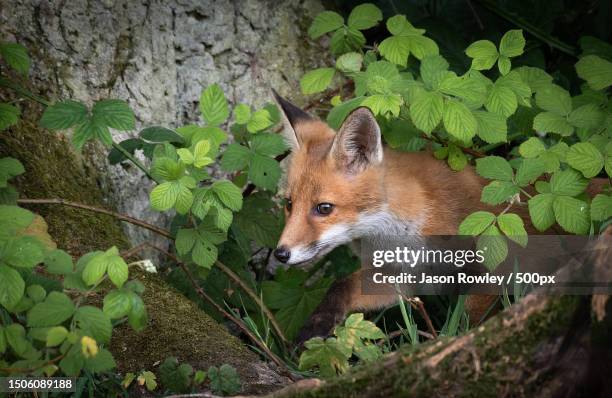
pixel 288 204
pixel 324 209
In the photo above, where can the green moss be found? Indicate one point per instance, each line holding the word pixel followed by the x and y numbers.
pixel 53 170
pixel 178 328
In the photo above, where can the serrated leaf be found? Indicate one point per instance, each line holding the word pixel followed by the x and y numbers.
pixel 554 99
pixel 9 115
pixel 264 172
pixel 459 121
pixel 497 192
pixel 117 270
pixel 426 111
pixel 596 71
pixel 23 252
pixel 117 303
pixel 327 355
pixel 535 78
pixel 504 64
pixel 63 115
pixel 572 214
pixel 58 262
pixel 242 113
pixel 114 113
pixel 483 54
pixel 204 253
pixel 325 22
pixel 586 158
pixel 224 380
pixel 532 148
pixel 512 43
pixel 235 157
pixel 494 246
pixel 456 158
pixel 492 127
pixel 16 56
pixel 601 207
pixel 494 168
pixel 432 69
pixel 529 170
pixel 316 80
pixel 56 336
pixel 501 100
pixel 268 144
pixel 382 104
pixel 550 122
pixel 94 322
pixel 476 223
pixel 349 62
pixel 541 211
pixel 345 40
pixel 56 308
pixel 213 105
pixel 568 182
pixel 161 134
pixel 395 49
pixel 513 227
pixel 228 193
pixel 185 239
pixel 12 286
pixel 364 16
pixel 90 129
pixel 260 120
pixel 137 316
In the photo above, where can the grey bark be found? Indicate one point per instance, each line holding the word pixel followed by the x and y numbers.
pixel 159 56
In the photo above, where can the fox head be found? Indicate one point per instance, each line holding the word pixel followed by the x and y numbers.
pixel 333 179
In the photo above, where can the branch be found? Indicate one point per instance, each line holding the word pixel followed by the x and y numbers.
pixel 119 216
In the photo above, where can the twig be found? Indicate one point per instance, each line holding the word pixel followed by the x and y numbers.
pixel 398 333
pixel 237 321
pixel 417 304
pixel 119 216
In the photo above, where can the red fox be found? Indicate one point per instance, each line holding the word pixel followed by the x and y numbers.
pixel 346 186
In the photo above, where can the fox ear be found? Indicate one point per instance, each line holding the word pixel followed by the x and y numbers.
pixel 358 143
pixel 291 115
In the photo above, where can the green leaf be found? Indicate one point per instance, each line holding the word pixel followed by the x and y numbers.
pixel 596 71
pixel 504 64
pixel 236 157
pixel 228 193
pixel 512 43
pixel 586 158
pixel 268 144
pixel 459 121
pixel 494 246
pixel 185 239
pixel 102 362
pixel 16 56
pixel 541 211
pixel 483 54
pixel 601 207
pixel 325 22
pixel 470 89
pixel 204 253
pixel 532 148
pixel 175 377
pixel 138 316
pixel 9 115
pixel 426 111
pixel 316 80
pixel 421 46
pixel 23 252
pixel 572 214
pixel 456 158
pixel 587 116
pixel 327 355
pixel 117 303
pixel 9 168
pixel 94 322
pixel 513 227
pixel 115 114
pixel 94 269
pixel 264 172
pixel 56 308
pixel 349 62
pixel 554 99
pixel 355 329
pixel 476 223
pixel 242 113
pixel 568 182
pixel 260 120
pixel 63 115
pixel 364 16
pixel 224 380
pixel 166 195
pixel 494 168
pixel 382 104
pixel 399 26
pixel 345 40
pixel 36 292
pixel 535 78
pixel 492 127
pixel 161 134
pixel 432 69
pixel 91 129
pixel 501 100
pixel 117 270
pixel 529 170
pixel 395 49
pixel 338 113
pixel 497 192
pixel 549 122
pixel 213 105
pixel 12 286
pixel 56 336
pixel 58 262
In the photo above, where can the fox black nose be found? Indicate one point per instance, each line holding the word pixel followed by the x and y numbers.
pixel 282 254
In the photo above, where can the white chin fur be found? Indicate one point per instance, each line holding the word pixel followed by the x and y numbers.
pixel 330 239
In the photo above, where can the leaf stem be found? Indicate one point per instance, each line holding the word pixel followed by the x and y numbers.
pixel 134 160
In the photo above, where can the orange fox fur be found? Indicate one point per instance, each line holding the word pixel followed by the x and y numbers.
pixel 374 191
